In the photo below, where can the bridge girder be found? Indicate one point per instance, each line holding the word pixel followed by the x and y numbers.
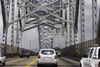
pixel 54 12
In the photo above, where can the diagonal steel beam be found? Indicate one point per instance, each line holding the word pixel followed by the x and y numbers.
pixel 38 8
pixel 39 25
pixel 40 19
pixel 43 17
pixel 46 15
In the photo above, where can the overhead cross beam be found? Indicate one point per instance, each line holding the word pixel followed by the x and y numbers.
pixel 38 8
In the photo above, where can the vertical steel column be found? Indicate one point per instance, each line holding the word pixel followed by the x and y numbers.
pixel 63 23
pixel 82 14
pixel 63 14
pixel 4 8
pixel 39 38
pixel 15 25
pixel 94 18
pixel 75 30
pixel 98 28
pixel 70 20
pixel 67 26
pixel 75 19
pixel 67 18
pixel 17 33
pixel 25 20
pixel 12 29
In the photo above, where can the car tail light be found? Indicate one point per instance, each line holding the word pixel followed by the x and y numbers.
pixel 55 56
pixel 99 64
pixel 38 56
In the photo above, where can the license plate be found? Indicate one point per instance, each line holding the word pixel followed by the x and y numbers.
pixel 47 58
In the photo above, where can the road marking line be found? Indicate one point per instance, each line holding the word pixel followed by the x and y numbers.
pixel 31 63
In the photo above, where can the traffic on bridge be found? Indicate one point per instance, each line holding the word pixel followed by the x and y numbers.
pixel 49 33
pixel 32 62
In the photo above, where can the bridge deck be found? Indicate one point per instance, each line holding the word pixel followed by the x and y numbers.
pixel 25 62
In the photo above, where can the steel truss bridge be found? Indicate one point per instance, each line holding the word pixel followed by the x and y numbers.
pixel 45 14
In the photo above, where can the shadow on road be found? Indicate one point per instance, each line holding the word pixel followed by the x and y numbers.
pixel 18 65
pixel 68 62
pixel 60 66
pixel 40 66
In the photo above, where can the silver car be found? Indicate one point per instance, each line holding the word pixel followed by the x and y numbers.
pixel 46 57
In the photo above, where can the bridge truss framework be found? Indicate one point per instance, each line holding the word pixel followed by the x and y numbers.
pixel 45 14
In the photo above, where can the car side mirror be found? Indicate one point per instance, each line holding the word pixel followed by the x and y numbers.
pixel 84 55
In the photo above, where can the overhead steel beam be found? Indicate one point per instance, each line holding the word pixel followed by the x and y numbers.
pixel 44 17
pixel 32 27
pixel 26 9
pixel 38 8
pixel 39 25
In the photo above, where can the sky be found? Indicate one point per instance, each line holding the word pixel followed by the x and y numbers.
pixel 32 35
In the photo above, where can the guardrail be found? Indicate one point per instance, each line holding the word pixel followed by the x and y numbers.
pixel 79 49
pixel 16 52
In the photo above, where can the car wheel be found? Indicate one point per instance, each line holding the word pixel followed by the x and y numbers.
pixel 38 65
pixel 27 56
pixel 80 65
pixel 4 64
pixel 55 65
pixel 21 57
pixel 0 65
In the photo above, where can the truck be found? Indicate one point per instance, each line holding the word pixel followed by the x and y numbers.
pixel 92 58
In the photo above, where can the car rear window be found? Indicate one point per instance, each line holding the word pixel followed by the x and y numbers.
pixel 47 52
pixel 24 51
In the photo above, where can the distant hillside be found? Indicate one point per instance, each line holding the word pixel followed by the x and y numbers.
pixel 35 50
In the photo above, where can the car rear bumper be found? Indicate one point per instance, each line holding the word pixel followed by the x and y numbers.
pixel 46 62
pixel 24 55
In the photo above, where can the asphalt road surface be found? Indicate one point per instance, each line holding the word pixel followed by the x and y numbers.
pixel 32 62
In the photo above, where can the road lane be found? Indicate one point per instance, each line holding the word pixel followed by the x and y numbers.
pixel 31 63
pixel 65 62
pixel 24 62
pixel 20 62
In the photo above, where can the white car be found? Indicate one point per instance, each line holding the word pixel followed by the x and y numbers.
pixel 2 59
pixel 92 58
pixel 46 57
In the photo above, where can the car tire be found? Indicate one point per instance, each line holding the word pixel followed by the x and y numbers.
pixel 0 65
pixel 55 65
pixel 80 65
pixel 4 64
pixel 28 56
pixel 21 57
pixel 38 65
